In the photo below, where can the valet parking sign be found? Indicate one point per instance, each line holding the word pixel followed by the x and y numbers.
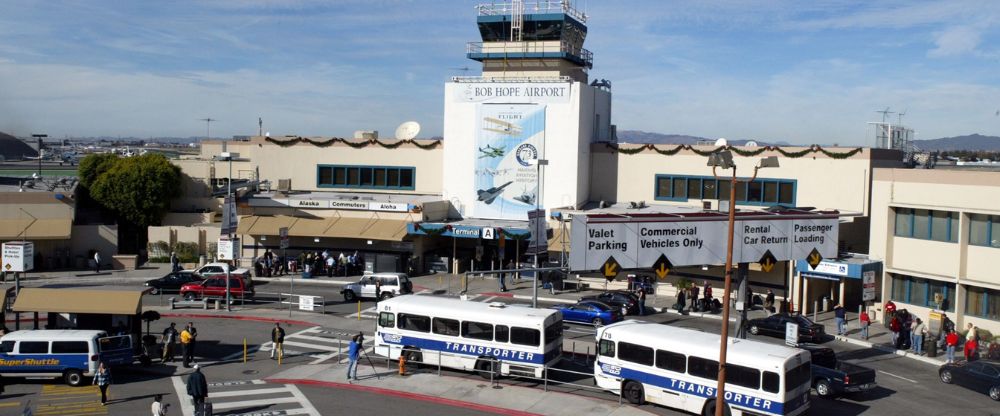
pixel 637 243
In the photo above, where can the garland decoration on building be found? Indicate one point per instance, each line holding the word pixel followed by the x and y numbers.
pixel 742 152
pixel 354 144
pixel 434 232
pixel 514 236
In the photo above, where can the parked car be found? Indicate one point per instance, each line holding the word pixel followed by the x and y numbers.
pixel 775 325
pixel 172 282
pixel 215 287
pixel 621 299
pixel 389 285
pixel 982 376
pixel 589 312
pixel 832 377
pixel 219 269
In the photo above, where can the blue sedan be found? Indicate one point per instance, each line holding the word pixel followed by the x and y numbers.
pixel 589 312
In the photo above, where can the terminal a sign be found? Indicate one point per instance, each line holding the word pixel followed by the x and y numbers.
pixel 639 242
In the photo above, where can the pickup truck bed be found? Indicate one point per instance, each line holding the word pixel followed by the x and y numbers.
pixel 833 377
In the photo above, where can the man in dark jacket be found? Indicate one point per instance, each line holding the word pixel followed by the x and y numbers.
pixel 278 338
pixel 197 388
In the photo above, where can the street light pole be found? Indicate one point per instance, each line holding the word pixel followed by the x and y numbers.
pixel 39 137
pixel 725 160
pixel 538 196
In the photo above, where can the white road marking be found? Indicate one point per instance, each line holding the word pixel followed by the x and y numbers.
pixel 250 403
pixel 899 377
pixel 303 401
pixel 238 393
pixel 487 300
pixel 187 408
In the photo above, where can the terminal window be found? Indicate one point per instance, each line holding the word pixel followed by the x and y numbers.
pixel 923 292
pixel 927 224
pixel 365 177
pixel 984 230
pixel 983 303
pixel 759 192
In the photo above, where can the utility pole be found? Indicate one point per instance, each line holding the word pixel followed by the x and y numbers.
pixel 39 137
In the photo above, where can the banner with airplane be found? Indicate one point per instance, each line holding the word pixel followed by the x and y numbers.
pixel 508 137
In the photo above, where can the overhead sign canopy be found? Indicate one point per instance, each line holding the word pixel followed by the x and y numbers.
pixel 638 241
pixel 67 300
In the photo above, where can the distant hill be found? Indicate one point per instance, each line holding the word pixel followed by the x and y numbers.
pixel 967 142
pixel 638 136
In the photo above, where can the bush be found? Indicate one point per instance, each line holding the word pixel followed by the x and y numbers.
pixel 186 252
pixel 158 249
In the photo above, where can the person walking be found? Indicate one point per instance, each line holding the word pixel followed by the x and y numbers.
pixel 894 327
pixel 197 388
pixel 951 342
pixel 278 338
pixel 175 264
pixel 329 265
pixel 840 315
pixel 194 339
pixel 353 352
pixel 97 261
pixel 681 300
pixel 187 346
pixel 918 336
pixel 866 321
pixel 102 378
pixel 972 343
pixel 159 408
pixel 503 281
pixel 708 292
pixel 694 296
pixel 169 340
pixel 769 302
pixel 642 302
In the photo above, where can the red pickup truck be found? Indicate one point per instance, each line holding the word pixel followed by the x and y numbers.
pixel 215 287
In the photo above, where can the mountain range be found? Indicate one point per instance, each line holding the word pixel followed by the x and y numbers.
pixel 966 142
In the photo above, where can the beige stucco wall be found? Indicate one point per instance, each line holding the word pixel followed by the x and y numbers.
pixel 963 191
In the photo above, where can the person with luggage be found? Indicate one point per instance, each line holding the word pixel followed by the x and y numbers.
pixel 694 297
pixel 278 339
pixel 894 327
pixel 197 388
pixel 681 300
pixel 918 336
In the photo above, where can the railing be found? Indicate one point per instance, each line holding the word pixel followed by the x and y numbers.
pixel 541 46
pixel 470 79
pixel 532 7
pixel 277 300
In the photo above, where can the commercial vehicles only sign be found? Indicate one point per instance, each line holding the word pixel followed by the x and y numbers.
pixel 638 242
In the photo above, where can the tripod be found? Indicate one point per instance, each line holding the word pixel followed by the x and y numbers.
pixel 360 345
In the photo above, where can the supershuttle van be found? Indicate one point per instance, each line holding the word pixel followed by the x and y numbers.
pixel 70 355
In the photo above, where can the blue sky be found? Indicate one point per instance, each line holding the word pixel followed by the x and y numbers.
pixel 799 71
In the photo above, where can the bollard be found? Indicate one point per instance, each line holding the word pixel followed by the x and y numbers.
pixel 172 301
pixel 217 305
pixel 359 310
pixel 204 303
pixel 402 364
pixel 545 378
pixel 244 350
pixel 815 308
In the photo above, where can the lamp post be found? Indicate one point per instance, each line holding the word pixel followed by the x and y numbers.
pixel 39 137
pixel 724 160
pixel 538 196
pixel 228 156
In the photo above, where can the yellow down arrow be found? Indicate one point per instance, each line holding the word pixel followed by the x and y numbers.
pixel 662 271
pixel 610 269
pixel 767 266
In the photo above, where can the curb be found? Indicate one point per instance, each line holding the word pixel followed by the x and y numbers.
pixel 883 348
pixel 237 317
pixel 397 393
pixel 310 281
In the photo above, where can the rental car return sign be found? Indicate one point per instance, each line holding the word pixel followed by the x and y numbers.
pixel 638 241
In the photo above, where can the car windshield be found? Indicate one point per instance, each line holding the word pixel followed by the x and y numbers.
pixel 803 320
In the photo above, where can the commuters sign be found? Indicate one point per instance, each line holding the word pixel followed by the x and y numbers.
pixel 18 256
pixel 638 242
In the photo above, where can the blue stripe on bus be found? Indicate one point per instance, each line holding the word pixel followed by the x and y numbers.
pixel 694 389
pixel 459 348
pixel 42 363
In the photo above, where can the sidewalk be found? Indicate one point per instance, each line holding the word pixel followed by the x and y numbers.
pixel 425 385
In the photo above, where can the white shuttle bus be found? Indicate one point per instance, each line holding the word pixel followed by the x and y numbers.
pixel 468 335
pixel 678 368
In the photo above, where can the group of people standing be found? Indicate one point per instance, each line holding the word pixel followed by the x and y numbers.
pixel 313 263
pixel 690 295
pixel 188 338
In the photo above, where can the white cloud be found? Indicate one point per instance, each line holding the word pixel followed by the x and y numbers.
pixel 955 41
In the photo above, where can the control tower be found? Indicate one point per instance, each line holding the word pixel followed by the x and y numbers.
pixel 532 39
pixel 531 101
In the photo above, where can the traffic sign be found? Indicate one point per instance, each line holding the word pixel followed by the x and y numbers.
pixel 791 334
pixel 814 258
pixel 662 266
pixel 868 285
pixel 610 268
pixel 767 262
pixel 283 235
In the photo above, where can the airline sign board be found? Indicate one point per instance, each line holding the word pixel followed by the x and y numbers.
pixel 638 242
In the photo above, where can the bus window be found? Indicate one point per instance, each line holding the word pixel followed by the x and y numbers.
pixel 502 333
pixel 703 368
pixel 771 382
pixel 444 326
pixel 525 336
pixel 635 353
pixel 743 376
pixel 553 332
pixel 671 361
pixel 606 348
pixel 387 320
pixel 414 322
pixel 477 330
pixel 34 347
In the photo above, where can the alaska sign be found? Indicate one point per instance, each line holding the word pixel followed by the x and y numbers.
pixel 688 239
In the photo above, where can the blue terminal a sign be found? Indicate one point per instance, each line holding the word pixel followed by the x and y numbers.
pixel 457 231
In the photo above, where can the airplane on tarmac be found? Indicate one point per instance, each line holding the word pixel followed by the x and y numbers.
pixel 491 152
pixel 491 194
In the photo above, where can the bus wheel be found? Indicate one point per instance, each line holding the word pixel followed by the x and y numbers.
pixel 709 409
pixel 633 392
pixel 413 357
pixel 73 377
pixel 484 368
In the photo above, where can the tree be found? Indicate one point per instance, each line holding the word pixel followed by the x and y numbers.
pixel 94 165
pixel 138 189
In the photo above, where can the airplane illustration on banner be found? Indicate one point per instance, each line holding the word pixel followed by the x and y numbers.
pixel 500 126
pixel 491 152
pixel 491 194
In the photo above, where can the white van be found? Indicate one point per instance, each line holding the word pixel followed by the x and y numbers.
pixel 389 285
pixel 69 354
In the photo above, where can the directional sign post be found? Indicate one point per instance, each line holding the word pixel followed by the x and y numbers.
pixel 791 334
pixel 610 268
pixel 814 258
pixel 662 267
pixel 767 262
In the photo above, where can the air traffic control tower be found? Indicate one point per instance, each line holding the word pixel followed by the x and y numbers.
pixel 532 101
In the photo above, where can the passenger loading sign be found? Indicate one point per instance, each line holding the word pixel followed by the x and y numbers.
pixel 639 242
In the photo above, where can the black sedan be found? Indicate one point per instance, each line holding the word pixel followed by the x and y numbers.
pixel 775 325
pixel 621 299
pixel 982 376
pixel 172 282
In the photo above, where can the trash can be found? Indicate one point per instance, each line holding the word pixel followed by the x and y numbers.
pixel 930 346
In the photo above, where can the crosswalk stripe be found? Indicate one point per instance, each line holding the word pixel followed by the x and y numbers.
pixel 313 346
pixel 237 393
pixel 258 395
pixel 312 338
pixel 250 403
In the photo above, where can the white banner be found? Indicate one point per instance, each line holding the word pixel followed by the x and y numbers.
pixel 754 238
pixel 820 233
pixel 514 93
pixel 228 249
pixel 308 203
pixel 18 256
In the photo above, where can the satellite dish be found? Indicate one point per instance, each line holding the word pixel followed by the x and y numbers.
pixel 407 130
pixel 721 141
pixel 751 144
